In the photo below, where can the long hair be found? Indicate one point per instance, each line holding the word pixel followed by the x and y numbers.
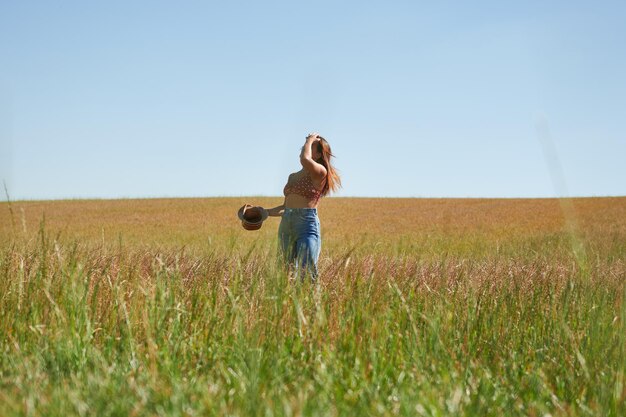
pixel 333 181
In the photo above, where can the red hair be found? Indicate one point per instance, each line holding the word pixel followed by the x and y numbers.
pixel 333 181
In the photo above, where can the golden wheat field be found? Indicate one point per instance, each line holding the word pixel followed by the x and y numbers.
pixel 424 307
pixel 361 223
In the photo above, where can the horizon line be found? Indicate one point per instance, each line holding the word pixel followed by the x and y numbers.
pixel 60 199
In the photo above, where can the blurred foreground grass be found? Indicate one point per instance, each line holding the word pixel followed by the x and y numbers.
pixel 425 307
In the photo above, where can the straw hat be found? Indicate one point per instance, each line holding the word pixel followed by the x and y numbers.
pixel 252 217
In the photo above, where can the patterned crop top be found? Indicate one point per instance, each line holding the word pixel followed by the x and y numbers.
pixel 302 186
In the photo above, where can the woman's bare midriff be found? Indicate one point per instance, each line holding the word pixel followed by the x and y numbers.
pixel 297 201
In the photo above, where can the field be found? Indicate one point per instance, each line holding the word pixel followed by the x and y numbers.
pixel 425 307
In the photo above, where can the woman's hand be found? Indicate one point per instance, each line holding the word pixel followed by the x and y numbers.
pixel 306 151
pixel 313 137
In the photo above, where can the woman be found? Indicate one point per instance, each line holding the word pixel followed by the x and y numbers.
pixel 299 231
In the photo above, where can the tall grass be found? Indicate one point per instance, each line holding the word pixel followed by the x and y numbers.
pixel 92 327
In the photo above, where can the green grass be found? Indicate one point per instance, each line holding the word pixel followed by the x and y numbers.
pixel 101 328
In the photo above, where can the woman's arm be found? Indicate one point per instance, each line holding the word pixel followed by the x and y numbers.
pixel 306 157
pixel 276 211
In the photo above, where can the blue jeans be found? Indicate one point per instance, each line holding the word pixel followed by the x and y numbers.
pixel 300 240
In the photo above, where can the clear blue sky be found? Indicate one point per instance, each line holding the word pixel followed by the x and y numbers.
pixel 425 99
